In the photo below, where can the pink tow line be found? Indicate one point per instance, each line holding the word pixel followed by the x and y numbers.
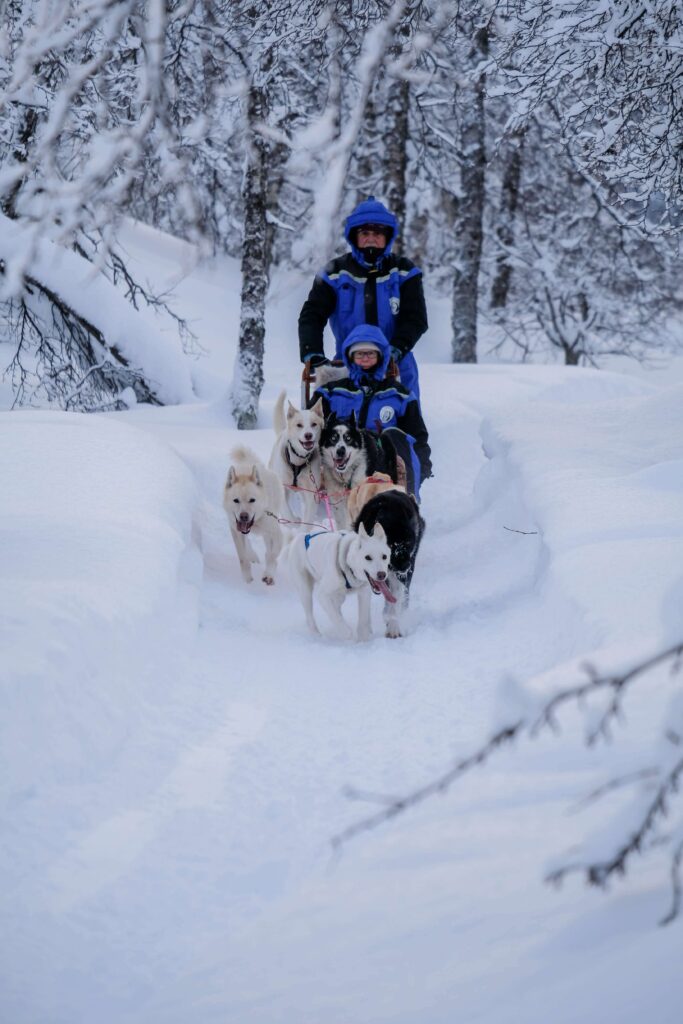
pixel 321 495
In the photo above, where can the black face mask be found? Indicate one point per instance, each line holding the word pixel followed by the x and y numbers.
pixel 372 254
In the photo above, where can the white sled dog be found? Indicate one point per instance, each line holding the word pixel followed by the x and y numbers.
pixel 295 458
pixel 336 565
pixel 252 500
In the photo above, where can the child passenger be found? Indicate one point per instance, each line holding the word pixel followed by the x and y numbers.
pixel 379 404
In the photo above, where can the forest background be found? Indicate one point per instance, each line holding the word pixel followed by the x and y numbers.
pixel 530 150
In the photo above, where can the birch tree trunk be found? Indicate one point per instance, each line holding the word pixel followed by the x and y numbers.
pixel 248 376
pixel 505 228
pixel 370 155
pixel 470 217
pixel 396 153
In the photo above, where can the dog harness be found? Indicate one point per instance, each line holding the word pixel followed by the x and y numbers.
pixel 309 537
pixel 307 541
pixel 296 469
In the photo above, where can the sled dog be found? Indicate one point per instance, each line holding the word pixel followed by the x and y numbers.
pixel 295 458
pixel 399 515
pixel 349 454
pixel 361 494
pixel 252 500
pixel 335 565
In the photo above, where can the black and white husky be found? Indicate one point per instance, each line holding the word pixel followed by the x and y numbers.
pixel 295 458
pixel 399 516
pixel 349 455
pixel 335 565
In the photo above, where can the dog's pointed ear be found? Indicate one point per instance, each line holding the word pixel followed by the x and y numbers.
pixel 256 476
pixel 353 421
pixel 378 533
pixel 317 409
pixel 232 476
pixel 291 410
pixel 362 532
pixel 331 420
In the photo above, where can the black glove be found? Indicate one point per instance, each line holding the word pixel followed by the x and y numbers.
pixel 318 361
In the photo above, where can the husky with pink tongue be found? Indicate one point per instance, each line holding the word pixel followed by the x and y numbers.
pixel 334 565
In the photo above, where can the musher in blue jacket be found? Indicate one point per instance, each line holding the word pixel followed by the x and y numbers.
pixel 369 285
pixel 379 404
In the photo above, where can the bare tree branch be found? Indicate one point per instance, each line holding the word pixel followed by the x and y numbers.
pixel 666 781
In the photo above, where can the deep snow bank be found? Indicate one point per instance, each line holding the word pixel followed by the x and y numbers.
pixel 602 468
pixel 98 574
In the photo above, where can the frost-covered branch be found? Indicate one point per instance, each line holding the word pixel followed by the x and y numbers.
pixel 659 783
pixel 587 280
pixel 67 358
pixel 598 871
pixel 614 72
pixel 70 318
pixel 333 143
pixel 394 806
pixel 83 101
pixel 90 71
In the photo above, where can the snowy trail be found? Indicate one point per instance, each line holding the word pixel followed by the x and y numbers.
pixel 374 718
pixel 223 815
pixel 187 872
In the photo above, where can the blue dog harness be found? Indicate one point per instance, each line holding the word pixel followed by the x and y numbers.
pixel 307 541
pixel 309 537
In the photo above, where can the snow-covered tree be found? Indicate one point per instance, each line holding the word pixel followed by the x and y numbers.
pixel 504 218
pixel 342 151
pixel 587 281
pixel 613 73
pixel 193 164
pixel 81 86
pixel 381 164
pixel 261 40
pixel 469 221
pixel 254 128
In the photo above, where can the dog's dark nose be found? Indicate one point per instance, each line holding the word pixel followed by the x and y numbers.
pixel 308 436
pixel 341 451
pixel 244 517
pixel 381 576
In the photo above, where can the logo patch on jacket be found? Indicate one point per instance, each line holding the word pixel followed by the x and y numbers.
pixel 386 414
pixel 395 304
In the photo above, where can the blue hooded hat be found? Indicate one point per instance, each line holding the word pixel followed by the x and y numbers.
pixel 373 336
pixel 370 211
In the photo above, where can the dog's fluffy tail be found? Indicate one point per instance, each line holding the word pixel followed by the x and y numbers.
pixel 243 455
pixel 279 419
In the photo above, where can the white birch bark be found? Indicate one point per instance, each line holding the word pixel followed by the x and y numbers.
pixel 248 376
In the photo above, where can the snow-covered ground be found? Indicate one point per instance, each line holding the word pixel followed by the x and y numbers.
pixel 175 747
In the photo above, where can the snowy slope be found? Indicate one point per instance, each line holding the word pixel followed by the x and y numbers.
pixel 177 746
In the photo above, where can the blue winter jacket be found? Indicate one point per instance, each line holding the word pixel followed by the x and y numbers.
pixel 349 289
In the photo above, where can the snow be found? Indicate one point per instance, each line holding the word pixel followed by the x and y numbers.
pixel 176 747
